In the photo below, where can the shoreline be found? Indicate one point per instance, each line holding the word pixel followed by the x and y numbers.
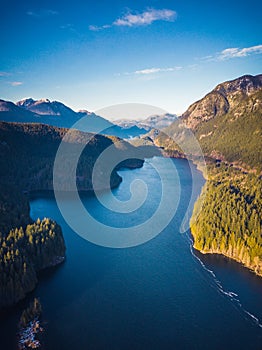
pixel 204 173
pixel 217 252
pixel 205 176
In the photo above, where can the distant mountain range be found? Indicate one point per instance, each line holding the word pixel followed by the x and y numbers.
pixel 153 122
pixel 48 112
pixel 57 114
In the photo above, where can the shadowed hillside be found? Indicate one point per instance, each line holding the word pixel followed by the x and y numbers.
pixel 27 154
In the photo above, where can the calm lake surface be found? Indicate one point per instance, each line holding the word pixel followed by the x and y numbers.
pixel 159 295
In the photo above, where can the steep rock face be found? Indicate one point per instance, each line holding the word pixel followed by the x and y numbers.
pixel 246 84
pixel 235 136
pixel 211 105
pixel 221 100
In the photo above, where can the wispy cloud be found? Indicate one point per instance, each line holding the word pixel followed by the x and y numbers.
pixel 156 70
pixel 150 73
pixel 70 28
pixel 233 52
pixel 42 13
pixel 139 19
pixel 238 52
pixel 146 17
pixel 16 83
pixel 5 74
pixel 67 26
pixel 97 28
pixel 193 66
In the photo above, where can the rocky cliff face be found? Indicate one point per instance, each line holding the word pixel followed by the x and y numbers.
pixel 246 85
pixel 221 100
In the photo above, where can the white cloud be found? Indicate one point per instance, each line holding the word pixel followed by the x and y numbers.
pixel 146 17
pixel 156 70
pixel 16 83
pixel 139 19
pixel 238 52
pixel 42 13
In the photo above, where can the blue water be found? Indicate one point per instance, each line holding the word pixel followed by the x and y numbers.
pixel 159 295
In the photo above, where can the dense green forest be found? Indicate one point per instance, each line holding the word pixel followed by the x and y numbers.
pixel 27 154
pixel 23 253
pixel 14 207
pixel 230 135
pixel 229 221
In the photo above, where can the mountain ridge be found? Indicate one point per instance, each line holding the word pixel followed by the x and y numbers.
pixel 227 123
pixel 229 130
pixel 221 99
pixel 45 107
pixel 58 114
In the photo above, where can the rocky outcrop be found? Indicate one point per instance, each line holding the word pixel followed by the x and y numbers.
pixel 221 100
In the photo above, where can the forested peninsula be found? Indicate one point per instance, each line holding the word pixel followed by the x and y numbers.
pixel 227 123
pixel 27 154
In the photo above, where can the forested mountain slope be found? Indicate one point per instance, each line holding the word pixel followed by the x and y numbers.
pixel 235 136
pixel 227 123
pixel 27 154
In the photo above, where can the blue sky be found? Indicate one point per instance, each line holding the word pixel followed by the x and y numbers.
pixel 92 54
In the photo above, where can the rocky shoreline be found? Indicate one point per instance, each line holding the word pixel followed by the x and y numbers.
pixel 27 337
pixel 30 328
